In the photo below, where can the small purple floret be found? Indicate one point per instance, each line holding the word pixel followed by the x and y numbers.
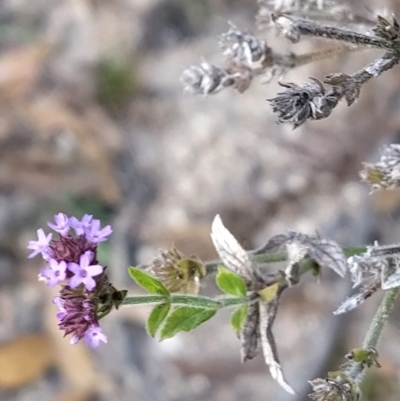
pixel 55 273
pixel 94 336
pixel 41 245
pixel 95 234
pixel 62 313
pixel 80 226
pixel 62 225
pixel 84 272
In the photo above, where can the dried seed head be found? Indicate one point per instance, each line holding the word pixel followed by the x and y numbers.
pixel 301 102
pixel 379 263
pixel 206 79
pixel 385 174
pixel 285 6
pixel 337 387
pixel 177 272
pixel 386 29
pixel 365 267
pixel 305 8
pixel 245 48
pixel 287 27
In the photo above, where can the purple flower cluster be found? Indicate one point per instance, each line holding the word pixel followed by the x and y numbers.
pixel 86 295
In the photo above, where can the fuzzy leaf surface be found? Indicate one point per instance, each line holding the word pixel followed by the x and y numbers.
pixel 230 283
pixel 156 318
pixel 357 299
pixel 238 318
pixel 147 281
pixel 185 318
pixel 325 252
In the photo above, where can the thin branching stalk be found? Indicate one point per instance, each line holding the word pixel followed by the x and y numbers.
pixel 357 370
pixel 308 58
pixel 306 27
pixel 186 300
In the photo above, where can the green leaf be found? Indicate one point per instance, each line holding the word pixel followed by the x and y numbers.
pixel 238 317
pixel 157 316
pixel 230 283
pixel 185 318
pixel 147 281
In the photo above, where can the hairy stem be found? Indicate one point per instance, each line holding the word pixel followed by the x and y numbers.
pixel 308 58
pixel 357 370
pixel 186 300
pixel 310 28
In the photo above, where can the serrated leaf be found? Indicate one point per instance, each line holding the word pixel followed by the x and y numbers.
pixel 185 318
pixel 358 298
pixel 274 244
pixel 326 253
pixel 156 318
pixel 391 281
pixel 147 281
pixel 230 283
pixel 269 292
pixel 238 318
pixel 230 251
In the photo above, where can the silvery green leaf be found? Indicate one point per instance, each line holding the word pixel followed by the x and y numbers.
pixel 230 251
pixel 250 334
pixel 358 298
pixel 268 311
pixel 391 281
pixel 326 253
pixel 362 267
pixel 296 252
pixel 274 244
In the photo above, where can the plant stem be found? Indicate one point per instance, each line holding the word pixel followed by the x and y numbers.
pixel 307 27
pixel 145 300
pixel 223 302
pixel 380 318
pixel 186 300
pixel 356 371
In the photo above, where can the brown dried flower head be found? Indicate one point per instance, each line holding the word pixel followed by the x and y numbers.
pixel 336 387
pixel 377 268
pixel 177 272
pixel 301 102
pixel 386 29
pixel 385 174
pixel 206 79
pixel 245 48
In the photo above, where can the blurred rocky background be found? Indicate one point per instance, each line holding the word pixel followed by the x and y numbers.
pixel 93 120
